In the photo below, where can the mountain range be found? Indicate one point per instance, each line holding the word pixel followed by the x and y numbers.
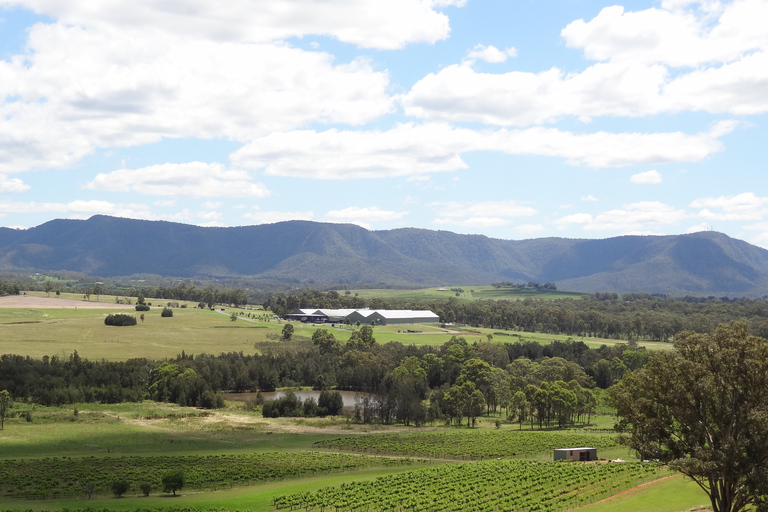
pixel 303 252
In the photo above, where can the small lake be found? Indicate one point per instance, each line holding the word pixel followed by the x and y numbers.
pixel 347 396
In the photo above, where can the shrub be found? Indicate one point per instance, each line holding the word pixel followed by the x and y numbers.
pixel 119 487
pixel 166 312
pixel 142 307
pixel 120 320
pixel 146 488
pixel 330 402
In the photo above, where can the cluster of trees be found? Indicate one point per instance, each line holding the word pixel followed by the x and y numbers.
pixel 328 403
pixel 520 286
pixel 120 319
pixel 409 384
pixel 606 315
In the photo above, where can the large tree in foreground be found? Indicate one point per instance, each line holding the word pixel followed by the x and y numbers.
pixel 703 408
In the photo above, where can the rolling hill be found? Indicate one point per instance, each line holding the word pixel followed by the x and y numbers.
pixel 302 252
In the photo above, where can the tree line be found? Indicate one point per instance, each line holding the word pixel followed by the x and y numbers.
pixel 410 384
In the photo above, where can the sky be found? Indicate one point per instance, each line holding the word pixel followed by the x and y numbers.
pixel 514 119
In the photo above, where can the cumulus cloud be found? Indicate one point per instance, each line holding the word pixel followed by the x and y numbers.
pixel 485 214
pixel 192 179
pixel 365 23
pixel 746 206
pixel 490 54
pixel 647 177
pixel 459 93
pixel 632 218
pixel 77 90
pixel 589 198
pixel 80 209
pixel 410 149
pixel 680 34
pixel 12 185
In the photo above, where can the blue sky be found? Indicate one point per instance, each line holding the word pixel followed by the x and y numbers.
pixel 510 118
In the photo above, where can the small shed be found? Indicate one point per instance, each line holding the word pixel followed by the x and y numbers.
pixel 577 454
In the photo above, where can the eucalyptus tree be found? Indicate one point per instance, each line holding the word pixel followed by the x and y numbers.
pixel 703 408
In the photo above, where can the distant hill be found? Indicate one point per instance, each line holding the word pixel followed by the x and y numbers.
pixel 706 263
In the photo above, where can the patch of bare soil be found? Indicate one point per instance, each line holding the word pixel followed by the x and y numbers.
pixel 32 302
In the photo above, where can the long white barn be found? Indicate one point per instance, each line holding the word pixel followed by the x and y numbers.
pixel 365 316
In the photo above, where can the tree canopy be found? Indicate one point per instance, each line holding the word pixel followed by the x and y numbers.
pixel 703 408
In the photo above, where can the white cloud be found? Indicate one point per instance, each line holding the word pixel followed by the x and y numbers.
pixel 680 34
pixel 589 198
pixel 79 209
pixel 647 177
pixel 211 216
pixel 460 94
pixel 479 215
pixel 12 185
pixel 77 90
pixel 485 209
pixel 490 54
pixel 165 203
pixel 363 216
pixel 365 23
pixel 411 150
pixel 212 205
pixel 634 218
pixel 746 206
pixel 698 228
pixel 761 238
pixel 192 179
pixel 270 217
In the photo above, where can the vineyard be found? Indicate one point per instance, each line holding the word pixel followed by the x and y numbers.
pixel 467 445
pixel 491 485
pixel 61 477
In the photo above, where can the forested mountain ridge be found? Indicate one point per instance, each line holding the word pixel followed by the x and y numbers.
pixel 302 252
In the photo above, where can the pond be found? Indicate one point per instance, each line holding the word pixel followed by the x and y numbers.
pixel 348 397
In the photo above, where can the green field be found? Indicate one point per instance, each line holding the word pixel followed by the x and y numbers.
pixel 39 332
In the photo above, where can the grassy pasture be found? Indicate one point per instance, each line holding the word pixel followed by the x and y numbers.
pixel 39 332
pixel 62 331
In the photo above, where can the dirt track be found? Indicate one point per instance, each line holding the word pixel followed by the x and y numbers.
pixel 28 301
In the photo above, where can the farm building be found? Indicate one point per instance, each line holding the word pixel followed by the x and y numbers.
pixel 577 454
pixel 320 315
pixel 364 316
pixel 393 316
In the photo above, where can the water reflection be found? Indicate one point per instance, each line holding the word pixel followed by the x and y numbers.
pixel 347 396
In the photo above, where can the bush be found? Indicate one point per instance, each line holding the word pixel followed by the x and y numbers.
pixel 166 312
pixel 119 487
pixel 146 488
pixel 142 307
pixel 210 400
pixel 330 402
pixel 120 320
